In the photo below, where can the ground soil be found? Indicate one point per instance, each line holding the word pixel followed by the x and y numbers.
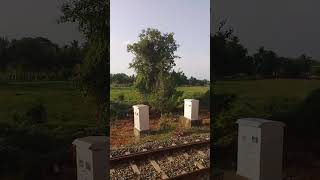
pixel 122 131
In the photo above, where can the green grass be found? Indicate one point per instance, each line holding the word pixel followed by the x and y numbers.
pixel 63 102
pixel 132 96
pixel 66 106
pixel 188 92
pixel 290 88
pixel 262 98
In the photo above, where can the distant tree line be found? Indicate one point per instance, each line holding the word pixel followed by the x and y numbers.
pixel 39 59
pixel 182 80
pixel 122 79
pixel 231 60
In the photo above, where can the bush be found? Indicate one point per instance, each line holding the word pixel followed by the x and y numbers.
pixel 164 101
pixel 165 123
pixel 305 120
pixel 120 97
pixel 205 100
pixel 33 149
pixel 36 114
pixel 30 146
pixel 222 102
pixel 118 110
pixel 272 108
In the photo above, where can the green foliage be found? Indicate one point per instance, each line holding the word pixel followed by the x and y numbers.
pixel 224 126
pixel 230 56
pixel 44 130
pixel 120 97
pixel 132 96
pixel 33 150
pixel 38 59
pixel 304 121
pixel 180 78
pixel 62 101
pixel 166 122
pixel 118 110
pixel 154 56
pixel 204 99
pixel 263 99
pixel 37 114
pixel 121 79
pixel 123 98
pixel 222 102
pixel 165 98
pixel 92 17
pixel 232 59
pixel 29 150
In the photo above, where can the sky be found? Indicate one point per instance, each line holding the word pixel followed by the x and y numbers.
pixel 288 27
pixel 189 20
pixel 31 18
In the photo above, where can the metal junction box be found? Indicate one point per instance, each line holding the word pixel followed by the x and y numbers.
pixel 191 109
pixel 141 117
pixel 92 157
pixel 260 149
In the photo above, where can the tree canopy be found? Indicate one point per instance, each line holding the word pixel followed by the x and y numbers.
pixel 92 17
pixel 153 62
pixel 231 59
pixel 154 57
pixel 38 59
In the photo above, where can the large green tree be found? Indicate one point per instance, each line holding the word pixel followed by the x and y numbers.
pixel 180 78
pixel 230 56
pixel 92 17
pixel 153 62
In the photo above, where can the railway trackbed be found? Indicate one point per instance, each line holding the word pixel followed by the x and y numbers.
pixel 173 162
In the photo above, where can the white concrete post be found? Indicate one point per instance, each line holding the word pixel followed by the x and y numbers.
pixel 141 117
pixel 92 157
pixel 191 109
pixel 260 149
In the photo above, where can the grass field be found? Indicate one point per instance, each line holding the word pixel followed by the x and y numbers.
pixel 291 88
pixel 63 102
pixel 132 96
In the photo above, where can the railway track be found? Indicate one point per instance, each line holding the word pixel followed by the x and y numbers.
pixel 172 162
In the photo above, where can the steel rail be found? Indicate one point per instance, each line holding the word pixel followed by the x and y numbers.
pixel 155 152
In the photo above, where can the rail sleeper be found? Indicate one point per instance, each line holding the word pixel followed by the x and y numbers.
pixel 135 169
pixel 158 169
pixel 200 166
pixel 201 153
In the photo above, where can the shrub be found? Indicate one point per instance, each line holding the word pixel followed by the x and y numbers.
pixel 222 102
pixel 118 110
pixel 164 101
pixel 205 99
pixel 305 120
pixel 30 150
pixel 120 97
pixel 165 123
pixel 272 108
pixel 36 114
